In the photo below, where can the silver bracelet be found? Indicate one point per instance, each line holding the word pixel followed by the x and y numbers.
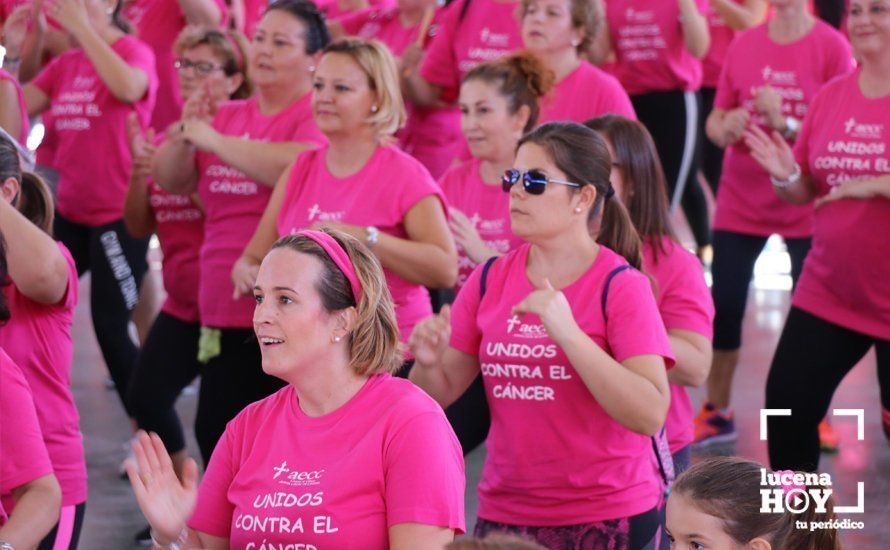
pixel 791 180
pixel 178 544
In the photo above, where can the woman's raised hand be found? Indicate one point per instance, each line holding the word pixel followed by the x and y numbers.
pixel 165 501
pixel 430 337
pixel 772 152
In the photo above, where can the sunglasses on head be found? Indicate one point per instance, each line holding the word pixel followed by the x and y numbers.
pixel 533 181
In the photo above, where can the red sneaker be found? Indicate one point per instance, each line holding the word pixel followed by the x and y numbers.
pixel 712 426
pixel 829 441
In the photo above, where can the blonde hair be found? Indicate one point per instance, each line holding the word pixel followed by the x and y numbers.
pixel 228 46
pixel 379 65
pixel 374 346
pixel 586 15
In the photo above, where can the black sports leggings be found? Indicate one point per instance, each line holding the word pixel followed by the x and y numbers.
pixel 813 357
pixel 711 155
pixel 734 257
pixel 672 119
pixel 167 364
pixel 229 382
pixel 116 262
pixel 65 533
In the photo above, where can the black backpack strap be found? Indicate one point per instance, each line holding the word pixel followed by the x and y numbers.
pixel 659 441
pixel 608 284
pixel 483 281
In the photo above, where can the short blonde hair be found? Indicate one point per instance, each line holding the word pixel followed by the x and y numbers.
pixel 374 346
pixel 379 65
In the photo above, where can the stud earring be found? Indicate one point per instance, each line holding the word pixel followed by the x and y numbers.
pixel 373 108
pixel 577 209
pixel 337 338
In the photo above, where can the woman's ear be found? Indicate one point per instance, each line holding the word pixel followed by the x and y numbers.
pixel 235 82
pixel 758 544
pixel 345 322
pixel 521 118
pixel 9 190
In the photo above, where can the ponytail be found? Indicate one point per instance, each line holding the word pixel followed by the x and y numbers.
pixel 35 202
pixel 374 342
pixel 584 157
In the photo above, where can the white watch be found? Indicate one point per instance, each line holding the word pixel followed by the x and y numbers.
pixel 791 180
pixel 5 545
pixel 373 236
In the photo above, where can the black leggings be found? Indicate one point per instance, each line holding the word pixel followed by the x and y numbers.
pixel 672 119
pixel 711 155
pixel 813 357
pixel 734 257
pixel 116 262
pixel 229 382
pixel 66 532
pixel 167 364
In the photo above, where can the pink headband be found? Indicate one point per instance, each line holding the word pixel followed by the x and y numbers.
pixel 339 256
pixel 239 57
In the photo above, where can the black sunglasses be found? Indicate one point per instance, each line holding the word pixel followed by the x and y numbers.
pixel 533 181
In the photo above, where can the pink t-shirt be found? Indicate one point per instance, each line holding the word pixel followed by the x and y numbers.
pixel 488 31
pixel 685 303
pixel 340 480
pixel 87 118
pixel 650 51
pixel 587 92
pixel 23 456
pixel 746 201
pixel 721 37
pixel 380 194
pixel 180 230
pixel 331 10
pixel 487 206
pixel 253 12
pixel 555 457
pixel 158 23
pixel 844 279
pixel 383 24
pixel 234 204
pixel 38 339
pixel 23 108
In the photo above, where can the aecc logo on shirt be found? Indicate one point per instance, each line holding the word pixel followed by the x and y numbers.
pixel 295 477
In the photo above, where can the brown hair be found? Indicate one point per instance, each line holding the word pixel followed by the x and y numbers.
pixel 374 343
pixel 645 190
pixel 34 199
pixel 586 15
pixel 379 65
pixel 521 77
pixel 5 314
pixel 317 36
pixel 498 541
pixel 728 488
pixel 582 154
pixel 229 46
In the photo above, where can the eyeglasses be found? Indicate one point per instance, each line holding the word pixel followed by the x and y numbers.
pixel 533 181
pixel 203 68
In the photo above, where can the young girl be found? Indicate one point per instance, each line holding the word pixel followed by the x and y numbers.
pixel 232 154
pixel 345 455
pixel 717 504
pixel 572 352
pixel 363 185
pixel 683 298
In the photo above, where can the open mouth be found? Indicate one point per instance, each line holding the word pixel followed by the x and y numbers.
pixel 269 341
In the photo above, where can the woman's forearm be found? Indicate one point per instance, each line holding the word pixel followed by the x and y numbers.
pixel 421 263
pixel 631 399
pixel 201 12
pixel 174 167
pixel 128 84
pixel 260 161
pixel 138 215
pixel 695 29
pixel 693 355
pixel 36 511
pixel 741 16
pixel 36 265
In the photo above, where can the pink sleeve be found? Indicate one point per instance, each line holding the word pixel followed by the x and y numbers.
pixel 353 22
pixel 424 473
pixel 634 325
pixel 465 333
pixel 23 456
pixel 47 79
pixel 69 301
pixel 420 184
pixel 143 58
pixel 621 104
pixel 840 61
pixel 726 98
pixel 687 304
pixel 439 65
pixel 703 6
pixel 213 511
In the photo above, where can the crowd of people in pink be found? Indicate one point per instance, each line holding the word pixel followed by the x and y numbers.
pixel 393 231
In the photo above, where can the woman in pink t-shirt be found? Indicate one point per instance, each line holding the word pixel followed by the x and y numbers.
pixel 363 185
pixel 90 90
pixel 158 23
pixel 841 306
pixel 30 493
pixel 498 104
pixel 726 18
pixel 772 72
pixel 575 377
pixel 658 46
pixel 684 300
pixel 41 293
pixel 231 154
pixel 470 32
pixel 561 33
pixel 345 455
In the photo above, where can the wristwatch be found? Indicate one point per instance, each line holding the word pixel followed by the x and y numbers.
pixel 792 179
pixel 5 545
pixel 370 240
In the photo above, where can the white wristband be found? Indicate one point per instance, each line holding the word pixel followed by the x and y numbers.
pixel 178 544
pixel 792 179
